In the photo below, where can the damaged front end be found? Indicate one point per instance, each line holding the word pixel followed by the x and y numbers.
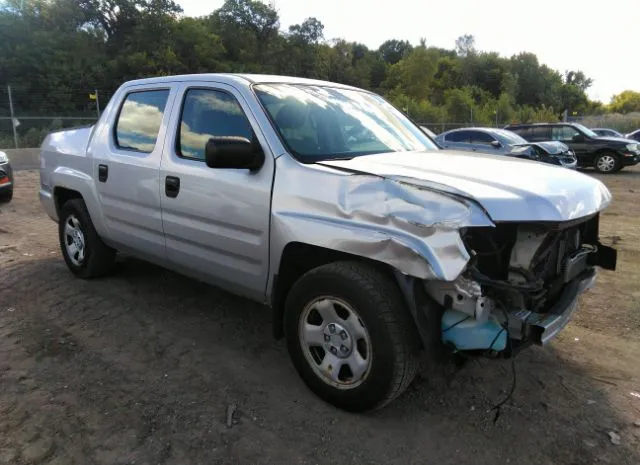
pixel 521 284
pixel 484 265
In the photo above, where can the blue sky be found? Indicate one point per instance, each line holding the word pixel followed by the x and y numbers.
pixel 599 38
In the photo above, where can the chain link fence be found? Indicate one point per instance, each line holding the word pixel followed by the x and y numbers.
pixel 27 116
pixel 624 124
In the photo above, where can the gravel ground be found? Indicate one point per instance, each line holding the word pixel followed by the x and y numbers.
pixel 145 367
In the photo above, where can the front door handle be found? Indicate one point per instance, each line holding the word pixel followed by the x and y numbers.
pixel 103 173
pixel 172 186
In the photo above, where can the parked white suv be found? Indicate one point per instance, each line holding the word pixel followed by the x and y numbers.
pixel 325 203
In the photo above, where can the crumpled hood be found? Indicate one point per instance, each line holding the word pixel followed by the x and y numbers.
pixel 551 147
pixel 509 189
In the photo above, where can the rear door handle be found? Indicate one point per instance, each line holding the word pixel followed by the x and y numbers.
pixel 103 173
pixel 172 186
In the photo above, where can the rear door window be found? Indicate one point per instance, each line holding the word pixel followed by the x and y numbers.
pixel 563 133
pixel 459 136
pixel 140 119
pixel 481 138
pixel 540 134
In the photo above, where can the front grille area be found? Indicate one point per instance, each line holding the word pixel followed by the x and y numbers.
pixel 539 284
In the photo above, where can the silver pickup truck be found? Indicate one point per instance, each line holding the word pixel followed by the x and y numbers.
pixel 369 244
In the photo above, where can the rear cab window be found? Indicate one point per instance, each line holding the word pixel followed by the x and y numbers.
pixel 139 120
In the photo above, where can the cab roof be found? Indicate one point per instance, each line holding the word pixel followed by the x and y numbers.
pixel 235 78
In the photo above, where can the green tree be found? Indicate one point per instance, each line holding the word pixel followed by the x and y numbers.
pixel 625 102
pixel 414 75
pixel 249 24
pixel 311 31
pixel 460 105
pixel 301 54
pixel 466 45
pixel 54 52
pixel 578 79
pixel 392 51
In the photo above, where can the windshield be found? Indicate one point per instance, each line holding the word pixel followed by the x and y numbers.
pixel 586 130
pixel 510 137
pixel 321 123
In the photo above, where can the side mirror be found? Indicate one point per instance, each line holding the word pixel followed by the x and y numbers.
pixel 496 144
pixel 232 152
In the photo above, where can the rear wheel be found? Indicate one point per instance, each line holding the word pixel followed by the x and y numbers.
pixel 607 162
pixel 350 336
pixel 83 250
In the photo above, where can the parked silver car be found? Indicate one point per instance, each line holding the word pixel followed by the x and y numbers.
pixel 606 132
pixel 505 142
pixel 6 179
pixel 326 204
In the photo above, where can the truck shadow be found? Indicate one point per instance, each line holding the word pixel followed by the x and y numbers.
pixel 167 356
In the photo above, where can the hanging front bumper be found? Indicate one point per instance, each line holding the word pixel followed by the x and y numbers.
pixel 540 328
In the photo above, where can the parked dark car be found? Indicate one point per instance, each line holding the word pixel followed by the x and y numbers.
pixel 504 142
pixel 605 154
pixel 606 132
pixel 635 135
pixel 6 179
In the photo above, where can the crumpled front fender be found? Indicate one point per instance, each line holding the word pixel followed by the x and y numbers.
pixel 413 229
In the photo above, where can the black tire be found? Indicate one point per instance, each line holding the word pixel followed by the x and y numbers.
pixel 395 343
pixel 6 195
pixel 99 259
pixel 599 165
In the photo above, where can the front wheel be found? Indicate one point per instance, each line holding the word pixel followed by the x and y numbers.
pixel 350 335
pixel 607 163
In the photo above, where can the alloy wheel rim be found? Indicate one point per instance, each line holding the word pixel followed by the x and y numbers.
pixel 606 163
pixel 335 342
pixel 74 240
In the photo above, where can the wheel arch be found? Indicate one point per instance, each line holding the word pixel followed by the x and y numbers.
pixel 62 195
pixel 297 259
pixel 68 183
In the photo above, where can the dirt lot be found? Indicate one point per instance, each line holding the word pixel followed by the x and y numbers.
pixel 142 367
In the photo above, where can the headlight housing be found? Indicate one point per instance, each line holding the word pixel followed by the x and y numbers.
pixel 630 147
pixel 4 158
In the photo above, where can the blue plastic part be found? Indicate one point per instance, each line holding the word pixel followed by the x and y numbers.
pixel 466 333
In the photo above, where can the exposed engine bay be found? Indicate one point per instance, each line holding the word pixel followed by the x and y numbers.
pixel 521 284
